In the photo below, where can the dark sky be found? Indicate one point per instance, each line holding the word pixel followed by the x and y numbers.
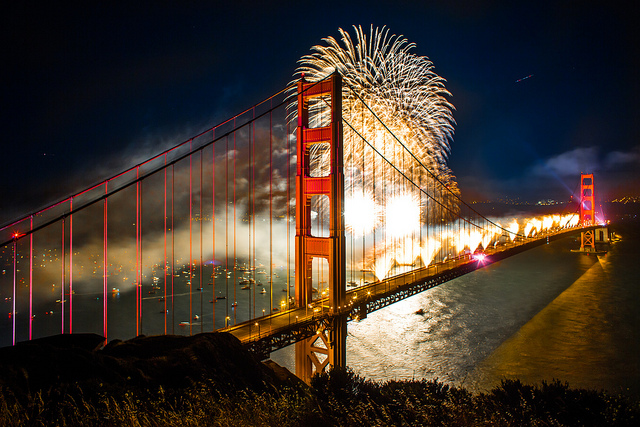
pixel 94 87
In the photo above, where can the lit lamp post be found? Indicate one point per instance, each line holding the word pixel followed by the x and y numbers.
pixel 226 321
pixel 258 325
pixel 283 305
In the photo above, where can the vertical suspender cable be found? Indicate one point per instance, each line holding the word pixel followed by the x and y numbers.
pixel 288 208
pixel 13 298
pixel 164 232
pixel 249 213
pixel 201 265
pixel 226 230
pixel 71 266
pixel 104 263
pixel 235 260
pixel 137 252
pixel 173 247
pixel 364 175
pixel 190 239
pixel 213 232
pixel 373 175
pixel 62 279
pixel 141 263
pixel 271 198
pixel 253 207
pixel 31 279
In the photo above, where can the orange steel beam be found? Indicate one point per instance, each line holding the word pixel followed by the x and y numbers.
pixel 587 212
pixel 331 248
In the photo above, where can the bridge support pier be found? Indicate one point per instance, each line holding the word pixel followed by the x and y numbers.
pixel 328 348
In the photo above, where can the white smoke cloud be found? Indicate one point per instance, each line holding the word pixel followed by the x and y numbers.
pixel 585 160
pixel 569 163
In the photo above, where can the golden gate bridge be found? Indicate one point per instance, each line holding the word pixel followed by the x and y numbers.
pixel 262 226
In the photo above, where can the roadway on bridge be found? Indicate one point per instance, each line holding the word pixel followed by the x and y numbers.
pixel 264 327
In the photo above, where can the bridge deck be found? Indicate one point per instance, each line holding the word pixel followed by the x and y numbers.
pixel 272 332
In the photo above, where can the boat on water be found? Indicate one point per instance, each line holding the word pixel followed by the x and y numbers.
pixel 263 291
pixel 246 287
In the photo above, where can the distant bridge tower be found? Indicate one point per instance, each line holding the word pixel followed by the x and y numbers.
pixel 587 212
pixel 328 347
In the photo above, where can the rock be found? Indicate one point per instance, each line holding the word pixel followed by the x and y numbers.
pixel 142 363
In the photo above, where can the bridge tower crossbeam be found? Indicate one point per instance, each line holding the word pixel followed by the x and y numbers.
pixel 328 346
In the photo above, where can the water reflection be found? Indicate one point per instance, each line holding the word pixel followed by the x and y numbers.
pixel 546 313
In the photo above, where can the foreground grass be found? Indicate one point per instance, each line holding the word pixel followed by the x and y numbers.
pixel 336 398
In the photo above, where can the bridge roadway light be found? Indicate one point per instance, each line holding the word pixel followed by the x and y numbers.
pixel 226 321
pixel 258 325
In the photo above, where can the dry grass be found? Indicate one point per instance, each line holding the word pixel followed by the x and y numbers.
pixel 337 398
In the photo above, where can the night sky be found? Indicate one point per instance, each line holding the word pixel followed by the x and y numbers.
pixel 542 91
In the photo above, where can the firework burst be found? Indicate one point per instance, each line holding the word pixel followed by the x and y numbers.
pixel 389 95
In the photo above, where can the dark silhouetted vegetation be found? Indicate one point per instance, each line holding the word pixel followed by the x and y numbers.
pixel 219 384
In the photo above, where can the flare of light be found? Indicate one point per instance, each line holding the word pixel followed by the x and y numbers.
pixel 360 212
pixel 429 249
pixel 492 232
pixel 479 257
pixel 407 251
pixel 537 225
pixel 383 266
pixel 547 222
pixel 402 216
pixel 528 229
pixel 513 229
pixel 467 239
pixel 570 220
